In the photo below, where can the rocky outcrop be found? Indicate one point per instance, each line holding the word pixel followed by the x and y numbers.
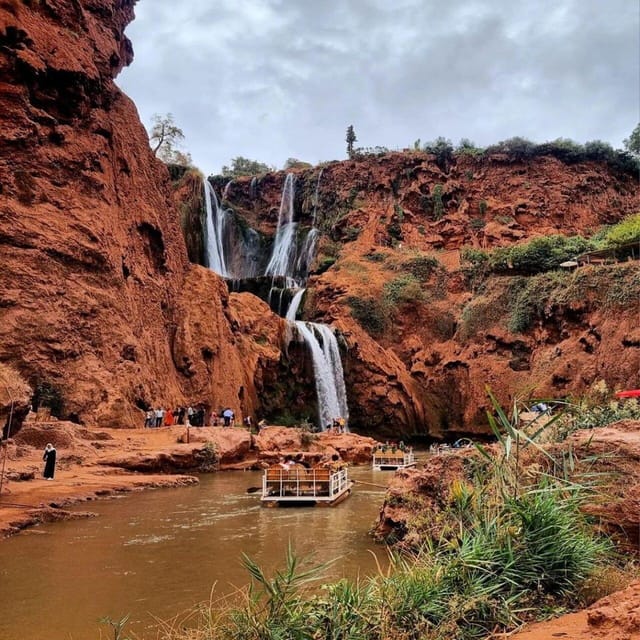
pixel 422 338
pixel 98 302
pixel 15 400
pixel 610 455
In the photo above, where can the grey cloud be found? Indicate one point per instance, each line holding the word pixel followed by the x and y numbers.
pixel 270 79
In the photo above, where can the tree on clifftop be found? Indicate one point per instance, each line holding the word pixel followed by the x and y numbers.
pixel 165 136
pixel 244 167
pixel 632 143
pixel 351 138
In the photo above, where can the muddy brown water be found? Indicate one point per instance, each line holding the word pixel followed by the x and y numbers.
pixel 158 553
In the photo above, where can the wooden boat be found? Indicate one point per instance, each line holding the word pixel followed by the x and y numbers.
pixel 387 460
pixel 304 487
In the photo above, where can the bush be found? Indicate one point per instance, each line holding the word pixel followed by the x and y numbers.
pixel 422 267
pixel 370 314
pixel 403 289
pixel 438 204
pixel 540 255
pixel 625 232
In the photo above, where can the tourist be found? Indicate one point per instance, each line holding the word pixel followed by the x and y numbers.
pixel 181 412
pixel 261 425
pixel 215 420
pixel 149 419
pixel 168 419
pixel 49 458
pixel 287 464
pixel 159 417
pixel 248 422
pixel 228 416
pixel 190 413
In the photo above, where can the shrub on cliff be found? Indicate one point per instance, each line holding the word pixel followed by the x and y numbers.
pixel 245 167
pixel 625 232
pixel 370 313
pixel 539 255
pixel 403 289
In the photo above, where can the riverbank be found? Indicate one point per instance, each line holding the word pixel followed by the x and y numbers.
pixel 94 464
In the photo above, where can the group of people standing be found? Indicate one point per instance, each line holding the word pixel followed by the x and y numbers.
pixel 339 426
pixel 190 416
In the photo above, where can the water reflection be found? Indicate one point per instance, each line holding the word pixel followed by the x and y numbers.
pixel 158 553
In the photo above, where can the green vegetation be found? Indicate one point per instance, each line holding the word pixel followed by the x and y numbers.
pixel 244 167
pixel 294 163
pixel 520 301
pixel 509 547
pixel 539 255
pixel 403 289
pixel 585 416
pixel 372 314
pixel 165 138
pixel 625 232
pixel 443 150
pixel 421 266
pixel 351 138
pixel 546 253
pixel 438 204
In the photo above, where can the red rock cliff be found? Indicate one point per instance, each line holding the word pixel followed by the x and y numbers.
pixel 423 338
pixel 97 298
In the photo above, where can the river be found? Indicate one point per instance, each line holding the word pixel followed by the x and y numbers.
pixel 156 554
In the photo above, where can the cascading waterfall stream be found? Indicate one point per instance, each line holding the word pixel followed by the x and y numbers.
pixel 329 377
pixel 215 227
pixel 315 198
pixel 236 255
pixel 285 243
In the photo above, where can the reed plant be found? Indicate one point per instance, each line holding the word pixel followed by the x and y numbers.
pixel 515 547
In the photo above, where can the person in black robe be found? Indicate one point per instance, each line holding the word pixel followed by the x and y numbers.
pixel 50 461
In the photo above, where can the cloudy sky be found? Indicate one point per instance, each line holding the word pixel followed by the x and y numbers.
pixel 273 79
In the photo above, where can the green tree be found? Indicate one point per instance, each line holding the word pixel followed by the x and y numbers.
pixel 245 167
pixel 351 138
pixel 632 143
pixel 442 148
pixel 165 137
pixel 294 163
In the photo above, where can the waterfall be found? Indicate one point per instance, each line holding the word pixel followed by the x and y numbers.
pixel 292 311
pixel 308 252
pixel 225 192
pixel 284 246
pixel 315 198
pixel 233 251
pixel 253 188
pixel 329 377
pixel 215 227
pixel 331 353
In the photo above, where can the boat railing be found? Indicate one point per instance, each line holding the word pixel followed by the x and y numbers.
pixel 303 482
pixel 396 458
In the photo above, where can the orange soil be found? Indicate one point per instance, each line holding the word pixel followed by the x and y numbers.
pixel 616 617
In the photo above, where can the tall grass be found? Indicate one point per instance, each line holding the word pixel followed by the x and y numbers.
pixel 511 547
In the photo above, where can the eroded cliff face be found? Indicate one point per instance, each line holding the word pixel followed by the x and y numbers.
pixel 97 298
pixel 424 337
